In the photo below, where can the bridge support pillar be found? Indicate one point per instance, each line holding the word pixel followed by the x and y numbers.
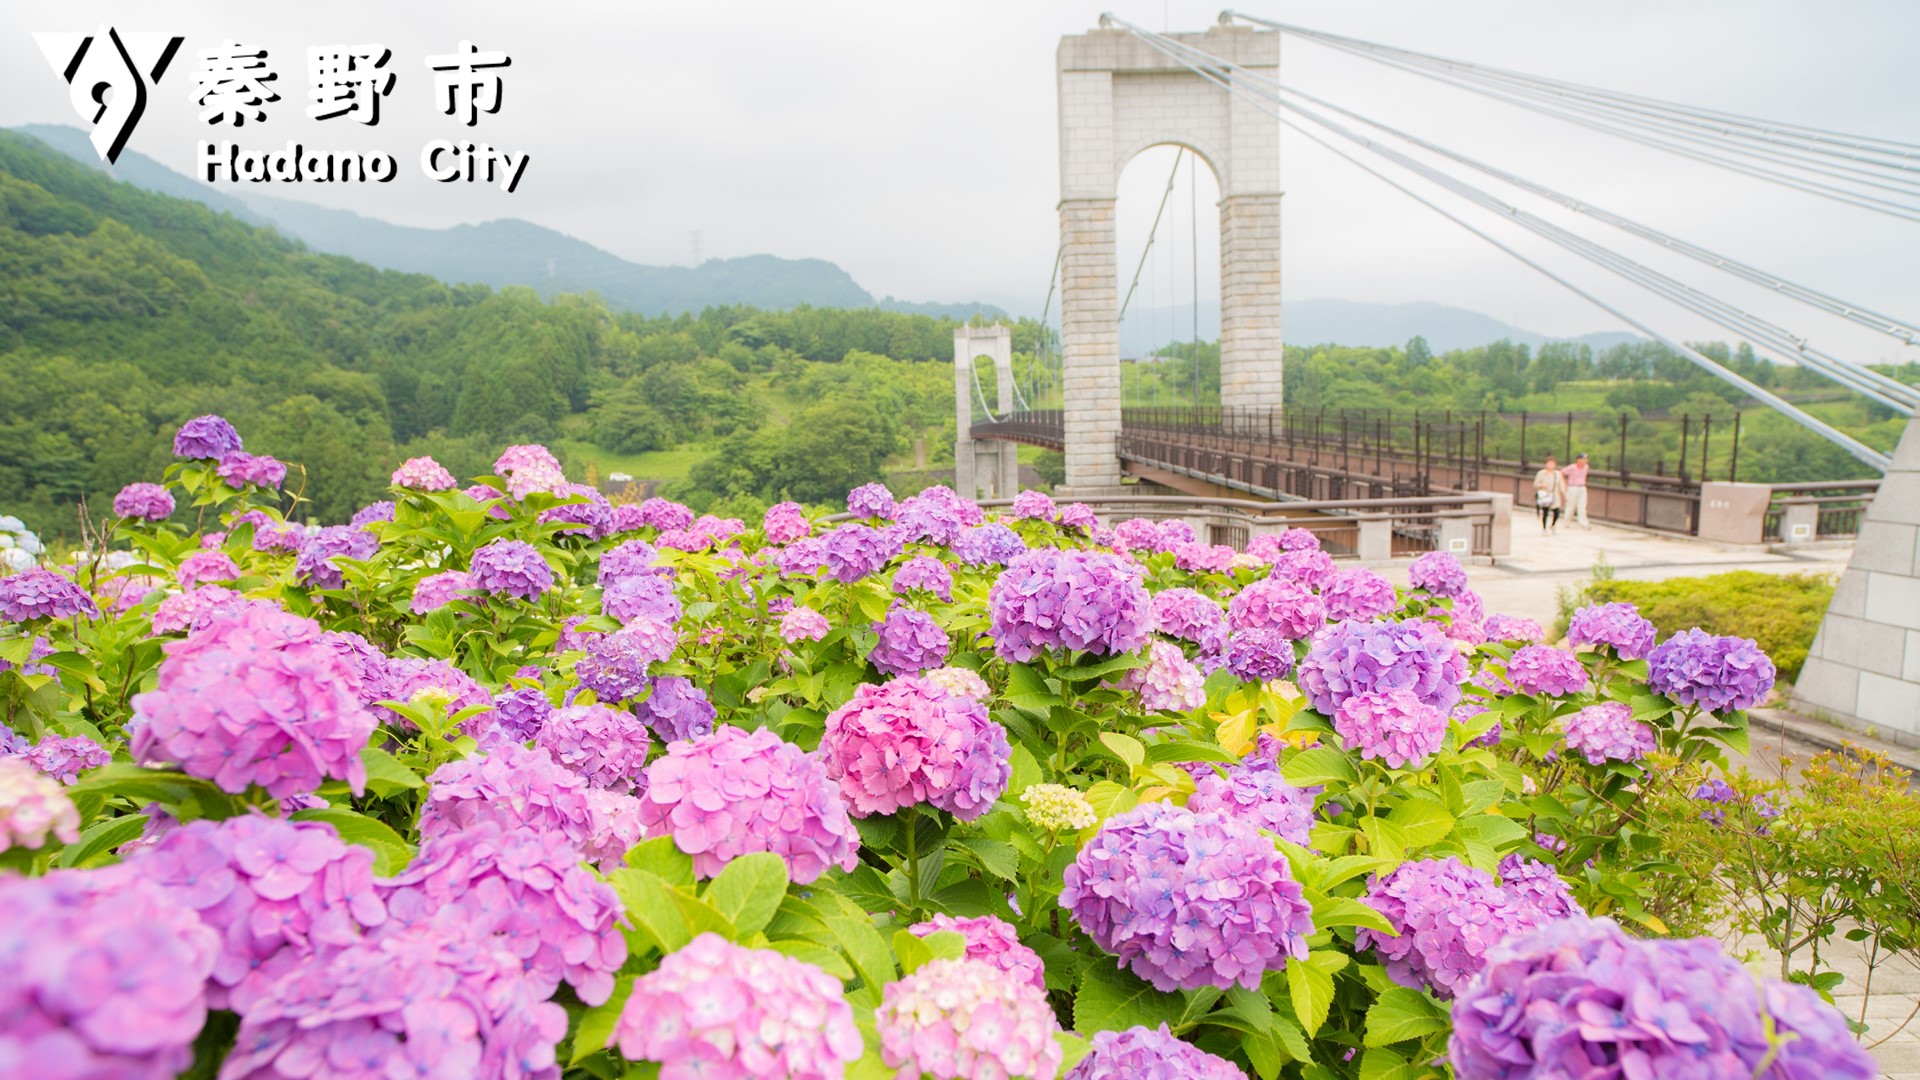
pixel 1090 346
pixel 1250 356
pixel 983 467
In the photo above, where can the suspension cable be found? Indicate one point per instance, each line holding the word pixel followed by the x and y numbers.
pixel 1860 451
pixel 1179 152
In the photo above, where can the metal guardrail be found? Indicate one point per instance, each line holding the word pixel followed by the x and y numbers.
pixel 1832 509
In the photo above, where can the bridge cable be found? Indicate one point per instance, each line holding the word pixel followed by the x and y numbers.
pixel 1152 233
pixel 1903 399
pixel 1860 451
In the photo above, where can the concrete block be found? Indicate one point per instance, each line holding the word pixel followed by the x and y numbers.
pixel 1890 702
pixel 1849 595
pixel 1897 501
pixel 1884 546
pixel 1869 646
pixel 1911 670
pixel 1375 542
pixel 1827 687
pixel 1733 513
pixel 1893 599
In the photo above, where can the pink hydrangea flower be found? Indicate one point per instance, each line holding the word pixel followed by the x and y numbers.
pixel 993 941
pixel 785 522
pixel 1544 671
pixel 909 742
pixel 423 474
pixel 608 747
pixel 803 624
pixel 967 1020
pixel 1035 506
pixel 436 591
pixel 203 566
pixel 1608 732
pixel 151 502
pixel 32 807
pixel 1358 593
pixel 1394 726
pixel 1073 600
pixel 1278 604
pixel 511 785
pixel 1168 682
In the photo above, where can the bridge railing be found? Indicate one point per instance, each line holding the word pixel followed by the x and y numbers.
pixel 1040 427
pixel 1800 513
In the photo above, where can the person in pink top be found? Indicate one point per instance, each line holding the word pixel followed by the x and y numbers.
pixel 1576 475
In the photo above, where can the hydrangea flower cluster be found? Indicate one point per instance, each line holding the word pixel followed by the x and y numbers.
pixel 615 667
pixel 1202 558
pixel 802 558
pixel 1188 899
pixel 149 501
pixel 908 742
pixel 1259 655
pixel 1074 600
pixel 785 522
pixel 105 976
pixel 1500 627
pixel 967 1020
pixel 436 591
pixel 803 624
pixel 1190 616
pixel 1618 625
pixel 937 515
pixel 1144 1053
pixel 633 596
pixel 1312 567
pixel 631 559
pixel 1439 573
pixel 240 468
pixel 1254 791
pixel 204 566
pixel 1608 732
pixel 511 568
pixel 1580 994
pixel 1360 594
pixel 1351 658
pixel 40 593
pixel 676 709
pixel 529 468
pixel 717 1009
pixel 992 941
pixel 992 544
pixel 1056 808
pixel 854 551
pixel 593 516
pixel 256 699
pixel 1393 726
pixel 1079 516
pixel 32 806
pixel 1278 604
pixel 418 680
pixel 926 573
pixel 275 891
pixel 910 642
pixel 518 712
pixel 532 892
pixel 372 512
pixel 423 474
pixel 664 514
pixel 607 747
pixel 65 757
pixel 964 682
pixel 205 438
pixel 1544 671
pixel 1446 916
pixel 734 792
pixel 1034 506
pixel 1720 674
pixel 512 786
pixel 195 610
pixel 316 565
pixel 1168 682
pixel 871 501
pixel 1538 887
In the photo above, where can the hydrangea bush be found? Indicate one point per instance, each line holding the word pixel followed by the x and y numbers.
pixel 501 779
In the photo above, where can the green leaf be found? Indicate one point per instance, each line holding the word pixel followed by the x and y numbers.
pixel 140 785
pixel 385 774
pixel 819 956
pixel 1101 669
pixel 1493 830
pixel 854 932
pixel 101 838
pixel 703 918
pixel 1108 798
pixel 1072 1049
pixel 656 918
pixel 1423 822
pixel 391 854
pixel 1318 765
pixel 1027 690
pixel 1114 1000
pixel 1378 1064
pixel 595 1030
pixel 1385 839
pixel 1183 750
pixel 998 859
pixel 662 858
pixel 1401 1014
pixel 748 890
pixel 1347 867
pixel 1125 747
pixel 1331 911
pixel 1253 1005
pixel 1026 772
pixel 1310 986
pixel 916 952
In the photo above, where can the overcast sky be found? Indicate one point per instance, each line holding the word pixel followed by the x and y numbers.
pixel 914 143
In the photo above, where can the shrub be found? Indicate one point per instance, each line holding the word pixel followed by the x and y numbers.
pixel 1780 612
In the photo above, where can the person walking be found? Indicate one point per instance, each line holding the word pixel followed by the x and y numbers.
pixel 1549 494
pixel 1576 475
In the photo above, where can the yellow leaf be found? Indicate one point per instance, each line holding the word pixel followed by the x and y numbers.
pixel 1235 733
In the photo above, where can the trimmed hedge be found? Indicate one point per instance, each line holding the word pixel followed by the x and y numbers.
pixel 1781 612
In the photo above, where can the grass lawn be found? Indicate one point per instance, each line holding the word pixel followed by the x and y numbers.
pixel 662 465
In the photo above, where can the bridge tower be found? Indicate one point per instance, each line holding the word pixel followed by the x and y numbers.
pixel 983 468
pixel 1119 96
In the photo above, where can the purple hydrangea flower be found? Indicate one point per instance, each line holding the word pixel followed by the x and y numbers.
pixel 239 468
pixel 1190 616
pixel 32 806
pixel 1439 573
pixel 256 699
pixel 518 712
pixel 924 572
pixel 1538 889
pixel 1544 671
pixel 908 742
pixel 634 558
pixel 1168 681
pixel 1716 793
pixel 937 515
pixel 1079 516
pixel 1073 600
pixel 1351 658
pixel 1500 627
pixel 194 610
pixel 1259 654
pixel 423 474
pixel 968 1020
pixel 1447 916
pixel 615 667
pixel 676 709
pixel 627 518
pixel 1188 899
pixel 734 792
pixel 529 468
pixel 205 438
pixel 606 746
pixel 1144 1053
pixel 40 593
pixel 664 514
pixel 1580 994
pixel 871 501
pixel 316 565
pixel 511 568
pixel 1034 506
pixel 713 1008
pixel 205 566
pixel 1310 567
pixel 416 678
pixel 785 522
pixel 854 551
pixel 992 544
pixel 803 624
pixel 593 517
pixel 1395 726
pixel 436 591
pixel 106 976
pixel 512 786
pixel 802 558
pixel 1278 604
pixel 65 757
pixel 1720 674
pixel 910 642
pixel 1608 732
pixel 641 596
pixel 149 501
pixel 992 941
pixel 372 512
pixel 1617 625
pixel 1254 791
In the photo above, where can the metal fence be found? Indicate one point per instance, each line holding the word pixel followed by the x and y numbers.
pixel 1823 511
